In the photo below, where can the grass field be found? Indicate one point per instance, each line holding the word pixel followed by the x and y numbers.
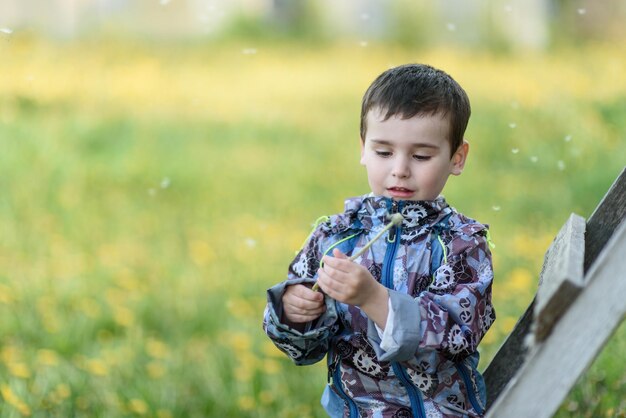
pixel 150 193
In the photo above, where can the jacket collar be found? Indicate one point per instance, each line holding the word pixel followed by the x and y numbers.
pixel 369 211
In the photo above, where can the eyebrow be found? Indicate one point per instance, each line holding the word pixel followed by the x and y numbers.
pixel 415 144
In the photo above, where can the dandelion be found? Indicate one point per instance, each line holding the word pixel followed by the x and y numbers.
pixel 157 349
pixel 19 369
pixel 271 366
pixel 507 324
pixel 515 150
pixel 12 399
pixel 567 138
pixel 246 403
pixel 496 208
pixel 63 391
pixel 138 406
pixel 240 341
pixel 97 367
pixel 201 252
pixel 123 316
pixel 520 280
pixel 6 295
pixel 512 125
pixel 47 357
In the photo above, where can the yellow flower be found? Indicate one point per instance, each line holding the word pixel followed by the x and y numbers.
pixel 97 367
pixel 240 341
pixel 19 369
pixel 201 253
pixel 63 391
pixel 123 316
pixel 520 280
pixel 138 406
pixel 271 366
pixel 47 357
pixel 156 348
pixel 246 403
pixel 12 399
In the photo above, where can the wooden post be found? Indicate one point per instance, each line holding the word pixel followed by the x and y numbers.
pixel 551 368
pixel 561 278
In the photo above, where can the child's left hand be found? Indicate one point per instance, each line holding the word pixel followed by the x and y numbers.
pixel 346 281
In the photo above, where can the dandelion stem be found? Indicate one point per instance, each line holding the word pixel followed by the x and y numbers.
pixel 395 219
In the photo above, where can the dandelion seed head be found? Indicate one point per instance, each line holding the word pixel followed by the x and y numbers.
pixel 512 125
pixel 496 208
pixel 534 159
pixel 514 150
pixel 567 138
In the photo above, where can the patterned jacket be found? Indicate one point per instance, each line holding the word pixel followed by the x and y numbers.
pixel 437 267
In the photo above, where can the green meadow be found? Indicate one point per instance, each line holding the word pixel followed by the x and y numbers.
pixel 151 192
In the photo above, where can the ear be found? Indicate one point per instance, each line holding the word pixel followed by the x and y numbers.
pixel 457 163
pixel 362 142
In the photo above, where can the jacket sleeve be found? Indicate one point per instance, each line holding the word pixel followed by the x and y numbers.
pixel 310 346
pixel 453 314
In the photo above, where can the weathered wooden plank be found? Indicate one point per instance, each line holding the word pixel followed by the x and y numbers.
pixel 509 358
pixel 606 217
pixel 561 278
pixel 553 366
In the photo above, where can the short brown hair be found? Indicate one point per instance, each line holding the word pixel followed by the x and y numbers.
pixel 418 89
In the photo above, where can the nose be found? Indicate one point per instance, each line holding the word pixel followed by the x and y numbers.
pixel 400 167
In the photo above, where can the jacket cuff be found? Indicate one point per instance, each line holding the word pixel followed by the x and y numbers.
pixel 275 311
pixel 404 326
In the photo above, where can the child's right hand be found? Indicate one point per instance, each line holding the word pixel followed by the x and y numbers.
pixel 301 304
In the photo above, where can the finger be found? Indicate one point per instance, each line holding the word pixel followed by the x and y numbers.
pixel 338 254
pixel 307 293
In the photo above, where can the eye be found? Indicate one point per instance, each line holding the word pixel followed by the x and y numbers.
pixel 422 157
pixel 383 153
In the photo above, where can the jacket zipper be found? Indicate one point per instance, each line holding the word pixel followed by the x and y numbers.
pixel 470 389
pixel 336 383
pixel 417 404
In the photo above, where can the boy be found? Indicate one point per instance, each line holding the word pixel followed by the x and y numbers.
pixel 400 324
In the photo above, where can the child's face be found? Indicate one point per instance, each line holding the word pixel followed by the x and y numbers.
pixel 409 159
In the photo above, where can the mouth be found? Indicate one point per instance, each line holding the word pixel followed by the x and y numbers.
pixel 400 191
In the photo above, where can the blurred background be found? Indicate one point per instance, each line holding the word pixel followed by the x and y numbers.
pixel 161 161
